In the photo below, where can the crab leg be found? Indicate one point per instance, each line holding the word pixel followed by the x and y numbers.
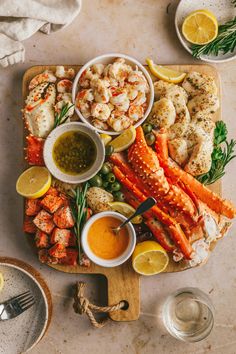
pixel 177 233
pixel 161 145
pixel 211 199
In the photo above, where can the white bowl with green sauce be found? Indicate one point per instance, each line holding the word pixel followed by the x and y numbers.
pixel 73 152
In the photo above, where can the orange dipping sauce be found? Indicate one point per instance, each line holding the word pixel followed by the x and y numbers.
pixel 102 240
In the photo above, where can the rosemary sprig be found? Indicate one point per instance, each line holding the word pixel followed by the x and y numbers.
pixel 61 117
pixel 79 212
pixel 220 156
pixel 225 42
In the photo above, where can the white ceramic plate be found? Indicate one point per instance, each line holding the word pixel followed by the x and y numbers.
pixel 22 333
pixel 48 148
pixel 224 11
pixel 106 59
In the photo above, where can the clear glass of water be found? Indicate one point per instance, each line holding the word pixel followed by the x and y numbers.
pixel 188 314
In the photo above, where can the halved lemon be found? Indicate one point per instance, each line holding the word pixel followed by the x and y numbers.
pixel 200 27
pixel 126 210
pixel 105 138
pixel 1 281
pixel 34 182
pixel 149 258
pixel 165 73
pixel 124 140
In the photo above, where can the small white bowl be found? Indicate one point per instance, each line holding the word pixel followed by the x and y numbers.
pixel 108 262
pixel 107 59
pixel 48 148
pixel 224 11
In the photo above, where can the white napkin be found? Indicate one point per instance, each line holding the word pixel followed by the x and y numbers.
pixel 20 19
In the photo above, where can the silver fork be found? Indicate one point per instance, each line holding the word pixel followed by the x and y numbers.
pixel 16 306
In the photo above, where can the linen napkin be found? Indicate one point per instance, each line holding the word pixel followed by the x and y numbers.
pixel 20 19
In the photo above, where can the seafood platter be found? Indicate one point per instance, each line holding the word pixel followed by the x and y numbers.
pixel 99 140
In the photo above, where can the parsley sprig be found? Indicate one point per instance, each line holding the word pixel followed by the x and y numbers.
pixel 61 117
pixel 221 156
pixel 225 42
pixel 79 211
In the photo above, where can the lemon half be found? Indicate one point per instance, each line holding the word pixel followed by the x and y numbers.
pixel 200 27
pixel 34 182
pixel 149 258
pixel 165 73
pixel 126 210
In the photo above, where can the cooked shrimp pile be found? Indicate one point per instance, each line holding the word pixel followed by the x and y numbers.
pixel 112 96
pixel 186 113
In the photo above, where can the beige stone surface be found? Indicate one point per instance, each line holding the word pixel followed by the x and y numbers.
pixel 139 28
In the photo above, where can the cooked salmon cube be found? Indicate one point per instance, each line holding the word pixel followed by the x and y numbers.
pixel 32 207
pixel 44 222
pixel 70 257
pixel 65 199
pixel 72 240
pixel 57 251
pixel 41 239
pixel 29 226
pixel 61 236
pixel 84 262
pixel 51 203
pixel 63 218
pixel 52 191
pixel 44 257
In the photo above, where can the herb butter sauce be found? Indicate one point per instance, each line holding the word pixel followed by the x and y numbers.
pixel 74 152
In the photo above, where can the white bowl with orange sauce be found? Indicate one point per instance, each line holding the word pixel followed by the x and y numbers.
pixel 101 245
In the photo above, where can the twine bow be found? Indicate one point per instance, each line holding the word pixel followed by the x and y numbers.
pixel 83 305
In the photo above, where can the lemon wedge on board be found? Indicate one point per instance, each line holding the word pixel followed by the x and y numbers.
pixel 126 210
pixel 149 258
pixel 165 73
pixel 105 138
pixel 124 140
pixel 34 182
pixel 200 27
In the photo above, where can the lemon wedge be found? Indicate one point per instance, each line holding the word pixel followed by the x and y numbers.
pixel 165 73
pixel 126 210
pixel 200 27
pixel 105 138
pixel 34 182
pixel 1 281
pixel 124 140
pixel 149 258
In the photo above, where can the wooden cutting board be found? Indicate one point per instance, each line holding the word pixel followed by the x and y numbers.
pixel 123 282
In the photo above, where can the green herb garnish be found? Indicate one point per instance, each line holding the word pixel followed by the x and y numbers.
pixel 220 156
pixel 61 117
pixel 225 42
pixel 79 211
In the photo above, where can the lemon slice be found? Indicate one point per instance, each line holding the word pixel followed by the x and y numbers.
pixel 124 140
pixel 1 281
pixel 149 258
pixel 105 138
pixel 200 27
pixel 165 73
pixel 126 210
pixel 34 182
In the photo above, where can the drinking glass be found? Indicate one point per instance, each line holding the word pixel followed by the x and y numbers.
pixel 188 314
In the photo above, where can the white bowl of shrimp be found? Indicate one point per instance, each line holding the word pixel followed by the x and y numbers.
pixel 112 92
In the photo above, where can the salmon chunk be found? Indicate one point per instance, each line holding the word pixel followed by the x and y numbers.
pixel 70 257
pixel 44 257
pixel 51 203
pixel 44 222
pixel 41 239
pixel 52 191
pixel 63 218
pixel 57 251
pixel 61 236
pixel 32 207
pixel 29 226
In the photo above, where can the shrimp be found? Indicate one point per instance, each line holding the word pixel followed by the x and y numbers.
pixel 85 109
pixel 119 124
pixel 131 92
pixel 46 76
pixel 86 77
pixel 64 85
pixel 59 105
pixel 99 124
pixel 101 91
pixel 98 68
pixel 119 70
pixel 63 73
pixel 135 112
pixel 83 96
pixel 140 99
pixel 101 111
pixel 138 80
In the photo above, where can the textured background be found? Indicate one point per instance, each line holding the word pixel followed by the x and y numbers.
pixel 140 29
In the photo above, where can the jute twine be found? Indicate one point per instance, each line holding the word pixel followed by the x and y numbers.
pixel 83 305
